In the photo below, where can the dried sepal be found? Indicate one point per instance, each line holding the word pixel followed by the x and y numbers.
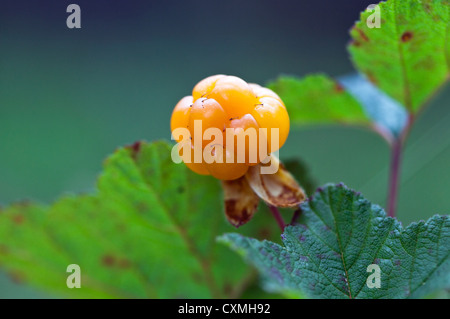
pixel 240 201
pixel 279 189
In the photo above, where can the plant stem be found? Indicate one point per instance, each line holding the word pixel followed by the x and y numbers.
pixel 295 216
pixel 394 176
pixel 276 214
pixel 394 173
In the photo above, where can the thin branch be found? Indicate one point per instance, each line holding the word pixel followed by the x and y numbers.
pixel 276 214
pixel 394 176
pixel 395 167
pixel 295 216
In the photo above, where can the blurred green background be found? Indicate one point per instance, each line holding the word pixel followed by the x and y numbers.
pixel 69 97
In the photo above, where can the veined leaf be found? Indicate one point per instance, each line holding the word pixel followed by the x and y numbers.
pixel 349 100
pixel 339 235
pixel 408 57
pixel 318 99
pixel 149 231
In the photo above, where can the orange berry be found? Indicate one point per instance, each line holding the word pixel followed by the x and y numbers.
pixel 180 114
pixel 223 102
pixel 211 115
pixel 260 92
pixel 235 96
pixel 246 129
pixel 272 114
pixel 205 86
pixel 227 168
pixel 189 158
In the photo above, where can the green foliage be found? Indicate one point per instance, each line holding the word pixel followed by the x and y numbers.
pixel 408 57
pixel 349 100
pixel 318 99
pixel 149 231
pixel 339 235
pixel 403 63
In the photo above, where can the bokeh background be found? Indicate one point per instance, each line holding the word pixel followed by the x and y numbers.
pixel 69 97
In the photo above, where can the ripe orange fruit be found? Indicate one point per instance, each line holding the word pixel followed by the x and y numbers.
pixel 232 113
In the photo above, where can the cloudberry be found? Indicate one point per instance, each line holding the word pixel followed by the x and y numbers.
pixel 234 108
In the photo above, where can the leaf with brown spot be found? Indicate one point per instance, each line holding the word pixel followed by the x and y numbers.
pixel 409 55
pixel 108 260
pixel 407 36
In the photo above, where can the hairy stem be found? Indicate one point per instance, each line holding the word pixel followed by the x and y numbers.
pixel 276 214
pixel 394 176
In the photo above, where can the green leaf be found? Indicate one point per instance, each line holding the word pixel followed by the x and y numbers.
pixel 149 231
pixel 339 235
pixel 408 57
pixel 387 115
pixel 406 60
pixel 318 99
pixel 350 100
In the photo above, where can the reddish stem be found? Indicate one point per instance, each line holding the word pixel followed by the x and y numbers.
pixel 276 214
pixel 295 216
pixel 394 176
